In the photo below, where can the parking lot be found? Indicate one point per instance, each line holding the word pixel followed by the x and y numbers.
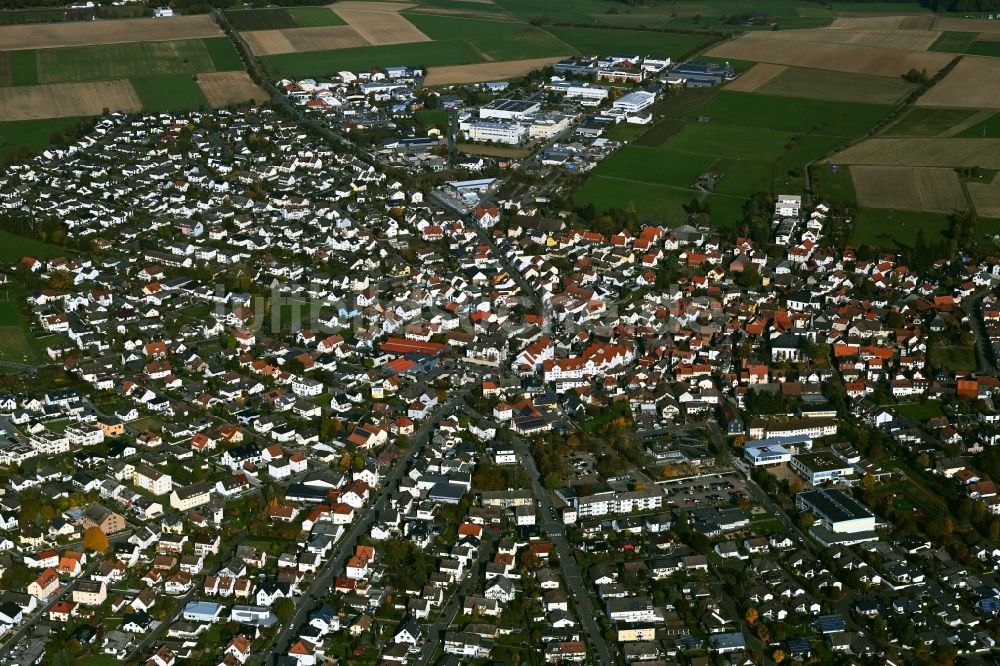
pixel 704 492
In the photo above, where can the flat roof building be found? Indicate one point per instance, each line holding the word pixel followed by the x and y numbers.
pixel 634 102
pixel 509 109
pixel 840 519
pixel 818 467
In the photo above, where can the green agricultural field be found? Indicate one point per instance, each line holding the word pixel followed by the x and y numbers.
pixel 896 229
pixel 23 68
pixel 923 121
pixel 626 132
pixel 790 114
pixel 836 86
pixel 31 136
pixel 123 61
pixel 953 42
pixel 223 54
pixel 658 203
pixel 169 92
pixel 833 183
pixel 986 129
pixel 21 16
pixel 491 39
pixel 604 41
pixel 991 49
pixel 743 177
pixel 654 165
pixel 315 17
pixel 261 19
pixel 418 54
pixel 660 132
pixel 732 142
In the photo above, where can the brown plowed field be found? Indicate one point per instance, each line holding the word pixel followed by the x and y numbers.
pixel 930 152
pixel 835 57
pixel 225 88
pixel 934 190
pixel 974 83
pixel 49 35
pixel 65 100
pixel 295 40
pixel 986 197
pixel 487 71
pixel 755 77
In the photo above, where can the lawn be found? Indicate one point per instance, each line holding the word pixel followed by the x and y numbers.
pixel 920 411
pixel 17 342
pixel 790 114
pixel 315 17
pixel 626 132
pixel 32 135
pixel 124 61
pixel 956 359
pixel 14 247
pixel 895 228
pixel 922 121
pixel 261 19
pixel 364 58
pixel 605 41
pixel 953 42
pixel 169 93
pixel 657 203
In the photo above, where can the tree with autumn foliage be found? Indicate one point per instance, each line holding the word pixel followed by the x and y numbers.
pixel 95 539
pixel 751 616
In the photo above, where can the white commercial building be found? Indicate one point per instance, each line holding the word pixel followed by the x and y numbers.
pixel 840 519
pixel 509 133
pixel 509 109
pixel 578 91
pixel 635 102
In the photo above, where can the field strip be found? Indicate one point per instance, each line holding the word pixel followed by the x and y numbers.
pixel 868 22
pixel 755 77
pixel 974 119
pixel 226 88
pixel 919 151
pixel 297 40
pixel 487 71
pixel 966 25
pixel 380 27
pixel 906 40
pixel 387 7
pixel 52 35
pixel 66 100
pixel 829 56
pixel 974 83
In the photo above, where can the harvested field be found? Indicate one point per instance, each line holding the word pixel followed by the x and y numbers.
pixel 986 197
pixel 373 6
pixel 755 77
pixel 834 86
pixel 935 190
pixel 989 37
pixel 65 100
pixel 930 152
pixel 295 40
pixel 966 25
pixel 226 88
pixel 380 26
pixel 906 40
pixel 106 32
pixel 974 83
pixel 488 71
pixel 835 57
pixel 883 23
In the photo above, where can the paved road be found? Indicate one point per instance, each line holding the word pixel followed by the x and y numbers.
pixel 973 306
pixel 321 584
pixel 556 531
pixel 477 571
pixel 198 584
